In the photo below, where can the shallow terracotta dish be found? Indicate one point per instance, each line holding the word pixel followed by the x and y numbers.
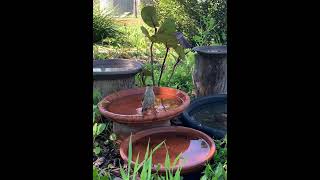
pixel 125 106
pixel 196 147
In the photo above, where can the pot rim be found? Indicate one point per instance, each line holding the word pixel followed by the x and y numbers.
pixel 135 67
pixel 138 119
pixel 187 168
pixel 219 50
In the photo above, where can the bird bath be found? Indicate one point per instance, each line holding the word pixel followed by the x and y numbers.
pixel 124 109
pixel 196 148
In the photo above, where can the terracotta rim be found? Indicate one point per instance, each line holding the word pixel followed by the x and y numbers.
pixel 179 129
pixel 136 119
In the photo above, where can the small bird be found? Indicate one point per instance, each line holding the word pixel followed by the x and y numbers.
pixel 182 40
pixel 148 100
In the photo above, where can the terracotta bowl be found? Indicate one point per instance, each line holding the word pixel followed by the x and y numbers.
pixel 118 106
pixel 196 147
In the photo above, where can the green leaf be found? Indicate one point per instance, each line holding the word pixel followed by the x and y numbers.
pixel 129 155
pixel 95 174
pixel 169 40
pixel 145 31
pixel 177 174
pixel 167 161
pixel 95 128
pixel 204 177
pixel 149 16
pixel 146 72
pixel 100 129
pixel 113 137
pixel 97 150
pixel 176 160
pixel 149 167
pixel 167 27
pixel 136 167
pixel 180 51
pixel 94 116
pixel 104 178
pixel 157 147
pixel 123 174
pixel 219 171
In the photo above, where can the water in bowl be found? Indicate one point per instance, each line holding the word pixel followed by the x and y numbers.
pixel 131 105
pixel 212 115
pixel 193 149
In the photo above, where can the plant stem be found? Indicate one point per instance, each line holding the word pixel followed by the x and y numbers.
pixel 151 54
pixel 174 68
pixel 162 67
pixel 152 73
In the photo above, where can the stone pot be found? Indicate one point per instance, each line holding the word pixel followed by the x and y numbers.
pixel 112 75
pixel 210 72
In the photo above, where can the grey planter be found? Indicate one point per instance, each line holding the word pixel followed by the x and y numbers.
pixel 210 72
pixel 113 75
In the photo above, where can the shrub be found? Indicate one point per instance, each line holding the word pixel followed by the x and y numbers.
pixel 103 26
pixel 192 16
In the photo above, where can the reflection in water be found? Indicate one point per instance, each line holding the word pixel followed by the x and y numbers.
pixel 212 115
pixel 193 149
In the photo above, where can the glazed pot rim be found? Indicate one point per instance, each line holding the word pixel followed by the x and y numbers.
pixel 179 129
pixel 140 119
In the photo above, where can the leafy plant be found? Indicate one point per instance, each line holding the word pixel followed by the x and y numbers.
pixel 218 170
pixel 98 128
pixel 103 25
pixel 189 16
pixel 206 30
pixel 182 78
pixel 97 176
pixel 163 34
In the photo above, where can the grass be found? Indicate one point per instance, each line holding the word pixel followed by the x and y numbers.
pixel 217 170
pixel 146 164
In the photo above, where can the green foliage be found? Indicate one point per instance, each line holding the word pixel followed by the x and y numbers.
pixel 149 16
pixel 97 176
pixel 207 30
pixel 98 127
pixel 192 16
pixel 174 10
pixel 103 26
pixel 182 78
pixel 146 165
pixel 164 35
pixel 218 170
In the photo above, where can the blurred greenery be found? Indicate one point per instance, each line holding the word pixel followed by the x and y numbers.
pixel 195 16
pixel 104 26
